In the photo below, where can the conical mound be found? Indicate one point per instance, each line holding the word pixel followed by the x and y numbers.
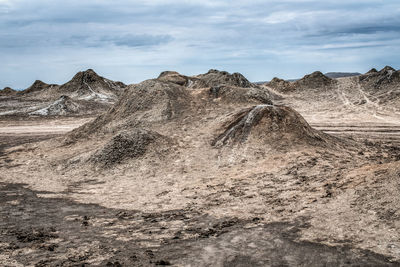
pixel 386 78
pixel 152 100
pixel 89 85
pixel 176 78
pixel 314 80
pixel 218 78
pixel 149 102
pixel 275 126
pixel 373 70
pixel 212 78
pixel 37 87
pixel 281 85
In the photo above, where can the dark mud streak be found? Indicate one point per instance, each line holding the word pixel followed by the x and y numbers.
pixel 40 224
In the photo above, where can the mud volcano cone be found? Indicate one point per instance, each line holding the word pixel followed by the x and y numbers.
pixel 90 85
pixel 37 87
pixel 314 80
pixel 275 126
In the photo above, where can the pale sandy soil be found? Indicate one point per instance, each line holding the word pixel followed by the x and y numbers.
pixel 40 127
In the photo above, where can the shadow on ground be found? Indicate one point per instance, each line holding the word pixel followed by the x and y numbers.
pixel 41 230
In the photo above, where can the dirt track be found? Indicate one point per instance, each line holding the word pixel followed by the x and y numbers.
pixel 376 132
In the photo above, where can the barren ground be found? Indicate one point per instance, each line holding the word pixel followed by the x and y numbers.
pixel 310 207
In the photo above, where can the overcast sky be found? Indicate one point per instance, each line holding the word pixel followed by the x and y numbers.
pixel 135 40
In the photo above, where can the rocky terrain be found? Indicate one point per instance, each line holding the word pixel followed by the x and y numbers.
pixel 209 170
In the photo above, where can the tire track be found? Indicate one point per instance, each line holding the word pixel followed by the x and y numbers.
pixel 383 133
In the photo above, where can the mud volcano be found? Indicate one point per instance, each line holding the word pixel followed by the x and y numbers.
pixel 386 77
pixel 276 126
pixel 315 80
pixel 382 87
pixel 89 85
pixel 37 87
pixel 218 78
pixel 281 85
pixel 212 78
pixel 177 78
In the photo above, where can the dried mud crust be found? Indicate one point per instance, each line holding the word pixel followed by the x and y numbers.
pixel 58 232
